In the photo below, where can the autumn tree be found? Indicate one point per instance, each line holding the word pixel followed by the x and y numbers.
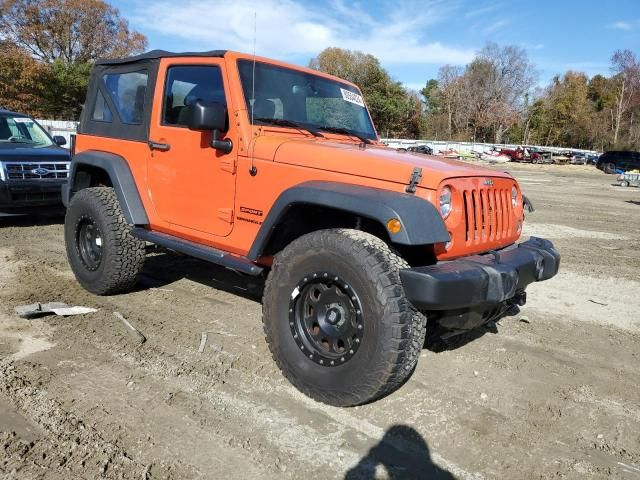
pixel 20 85
pixel 626 69
pixel 70 31
pixel 569 110
pixel 450 85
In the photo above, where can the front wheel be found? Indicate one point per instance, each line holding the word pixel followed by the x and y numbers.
pixel 103 255
pixel 610 168
pixel 336 318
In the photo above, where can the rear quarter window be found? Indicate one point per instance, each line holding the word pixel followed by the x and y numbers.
pixel 128 92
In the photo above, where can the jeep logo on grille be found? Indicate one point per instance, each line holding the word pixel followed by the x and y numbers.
pixel 40 171
pixel 488 182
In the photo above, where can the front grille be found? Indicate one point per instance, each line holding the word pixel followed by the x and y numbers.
pixel 488 214
pixel 37 171
pixel 36 196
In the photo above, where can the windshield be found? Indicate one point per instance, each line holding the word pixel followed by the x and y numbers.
pixel 283 95
pixel 22 130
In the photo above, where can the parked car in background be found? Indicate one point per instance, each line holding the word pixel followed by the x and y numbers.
pixel 592 159
pixel 526 154
pixel 618 161
pixel 578 158
pixel 33 166
pixel 426 149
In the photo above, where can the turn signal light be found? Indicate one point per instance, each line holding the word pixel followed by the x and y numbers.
pixel 394 225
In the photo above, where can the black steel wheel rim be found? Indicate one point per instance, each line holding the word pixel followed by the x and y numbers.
pixel 325 318
pixel 89 243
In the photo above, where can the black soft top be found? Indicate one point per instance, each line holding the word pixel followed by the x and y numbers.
pixel 156 54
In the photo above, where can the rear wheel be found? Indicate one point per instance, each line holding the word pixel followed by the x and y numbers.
pixel 103 254
pixel 336 319
pixel 610 167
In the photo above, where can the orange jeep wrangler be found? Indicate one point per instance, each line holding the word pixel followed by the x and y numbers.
pixel 276 170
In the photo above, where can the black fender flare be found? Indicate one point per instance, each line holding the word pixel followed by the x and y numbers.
pixel 421 222
pixel 121 178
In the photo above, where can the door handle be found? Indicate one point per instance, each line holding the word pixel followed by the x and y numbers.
pixel 163 147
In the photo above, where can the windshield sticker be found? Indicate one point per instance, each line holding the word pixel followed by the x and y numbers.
pixel 352 97
pixel 22 120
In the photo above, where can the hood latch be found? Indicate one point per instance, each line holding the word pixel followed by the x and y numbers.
pixel 416 176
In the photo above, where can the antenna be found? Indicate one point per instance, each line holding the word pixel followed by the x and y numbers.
pixel 253 170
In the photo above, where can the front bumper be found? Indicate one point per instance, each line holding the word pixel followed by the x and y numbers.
pixel 481 280
pixel 23 194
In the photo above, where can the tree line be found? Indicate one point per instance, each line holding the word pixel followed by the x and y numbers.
pixel 47 49
pixel 495 99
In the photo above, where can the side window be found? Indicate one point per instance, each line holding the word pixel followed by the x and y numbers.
pixel 13 126
pixel 128 91
pixel 101 111
pixel 186 85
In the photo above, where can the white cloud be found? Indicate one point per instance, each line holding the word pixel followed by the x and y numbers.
pixel 288 28
pixel 621 26
pixel 495 26
pixel 482 10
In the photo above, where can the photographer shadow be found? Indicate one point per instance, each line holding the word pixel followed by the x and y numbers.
pixel 404 454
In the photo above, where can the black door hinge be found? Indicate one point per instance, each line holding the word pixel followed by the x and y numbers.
pixel 416 176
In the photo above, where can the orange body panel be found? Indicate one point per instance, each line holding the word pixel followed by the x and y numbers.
pixel 195 192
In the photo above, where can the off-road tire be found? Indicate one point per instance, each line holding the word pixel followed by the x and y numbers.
pixel 393 333
pixel 122 255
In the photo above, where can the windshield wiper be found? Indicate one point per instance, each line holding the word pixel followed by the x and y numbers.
pixel 344 131
pixel 20 140
pixel 280 122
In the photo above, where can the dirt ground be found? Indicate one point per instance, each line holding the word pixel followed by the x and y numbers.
pixel 552 392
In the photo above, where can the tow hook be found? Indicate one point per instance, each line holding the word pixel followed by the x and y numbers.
pixel 519 299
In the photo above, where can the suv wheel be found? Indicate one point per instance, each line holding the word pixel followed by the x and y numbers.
pixel 610 167
pixel 103 254
pixel 336 318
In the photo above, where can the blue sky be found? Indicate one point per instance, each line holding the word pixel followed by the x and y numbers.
pixel 412 39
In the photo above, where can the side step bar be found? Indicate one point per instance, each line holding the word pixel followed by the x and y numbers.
pixel 203 252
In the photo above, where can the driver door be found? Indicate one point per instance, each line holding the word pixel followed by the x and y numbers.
pixel 192 185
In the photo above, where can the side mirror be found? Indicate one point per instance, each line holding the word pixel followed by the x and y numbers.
pixel 206 116
pixel 209 117
pixel 59 140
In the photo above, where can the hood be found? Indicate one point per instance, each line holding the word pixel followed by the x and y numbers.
pixel 381 163
pixel 21 152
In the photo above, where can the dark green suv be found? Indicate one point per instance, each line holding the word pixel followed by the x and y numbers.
pixel 612 162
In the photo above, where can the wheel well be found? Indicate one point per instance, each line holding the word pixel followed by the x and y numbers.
pixel 305 218
pixel 89 176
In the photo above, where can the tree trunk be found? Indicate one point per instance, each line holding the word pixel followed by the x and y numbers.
pixel 499 132
pixel 619 111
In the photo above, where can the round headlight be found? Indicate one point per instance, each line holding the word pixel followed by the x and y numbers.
pixel 445 202
pixel 514 196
